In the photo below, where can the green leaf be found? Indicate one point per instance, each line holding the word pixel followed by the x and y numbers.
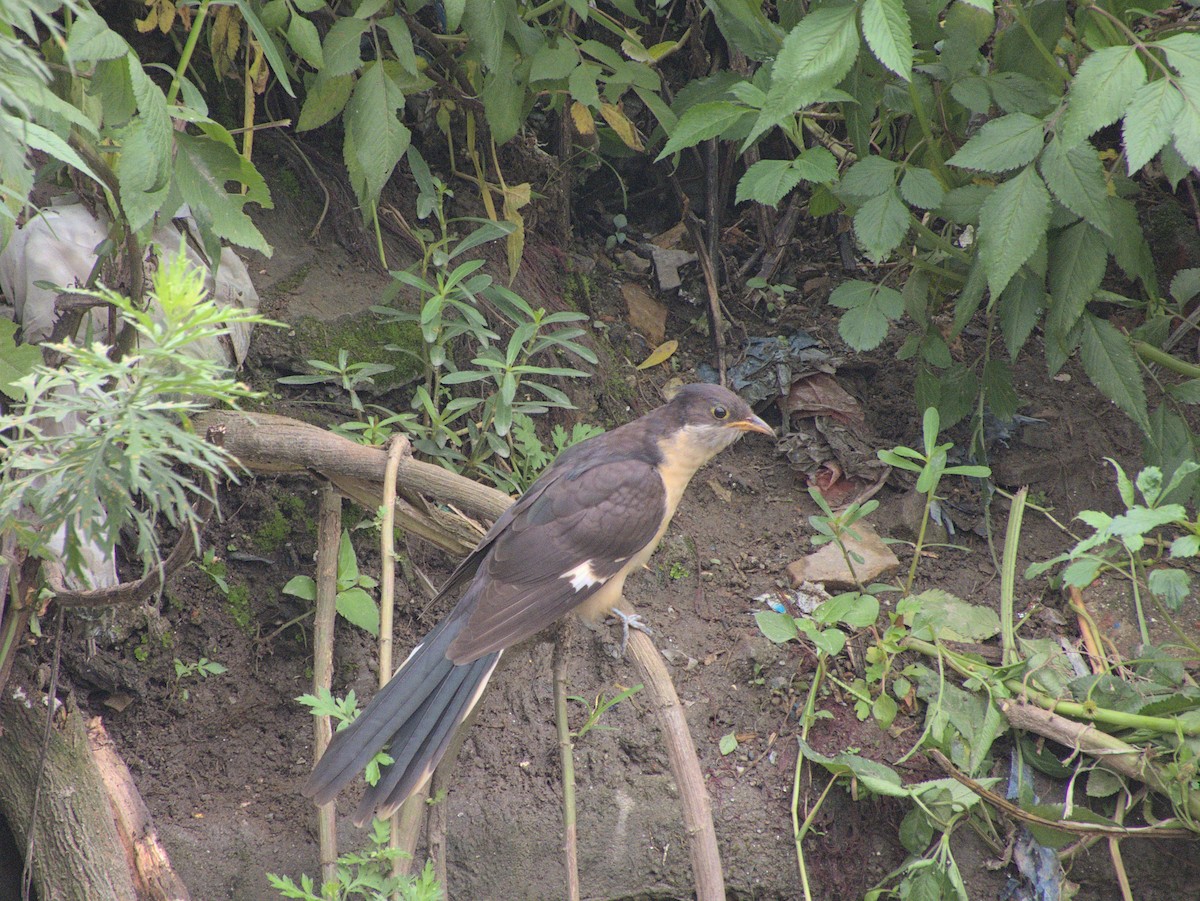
pixel 921 188
pixel 962 205
pixel 852 609
pixel 325 99
pixel 1019 309
pixel 816 55
pixel 582 85
pixel 746 27
pixel 884 710
pixel 886 27
pixel 701 122
pixel 768 182
pixel 1185 546
pixel 1112 365
pixel 939 614
pixel 343 55
pixel 728 744
pixel 1183 53
pixel 484 26
pixel 91 40
pixel 270 50
pixel 1076 177
pixel 1078 259
pixel 881 224
pixel 1102 783
pixel 1149 122
pixel 1003 144
pixel 554 63
pixel 1012 222
pixel 16 361
pixel 998 389
pixel 778 627
pixel 1186 392
pixel 868 178
pixel 869 309
pixel 375 137
pixel 302 587
pixel 400 38
pixel 356 607
pixel 816 164
pixel 1187 123
pixel 1171 586
pixel 302 37
pixel 204 166
pixel 503 93
pixel 1101 91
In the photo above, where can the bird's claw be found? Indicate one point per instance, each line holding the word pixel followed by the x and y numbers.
pixel 629 621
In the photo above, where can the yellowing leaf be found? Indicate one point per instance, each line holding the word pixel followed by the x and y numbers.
pixel 620 123
pixel 582 117
pixel 660 354
pixel 515 197
pixel 149 23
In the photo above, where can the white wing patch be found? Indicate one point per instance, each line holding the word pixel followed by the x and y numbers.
pixel 583 576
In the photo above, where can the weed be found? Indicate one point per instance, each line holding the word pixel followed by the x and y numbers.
pixel 365 874
pixel 201 669
pixel 237 603
pixel 678 572
pixel 350 377
pixel 354 603
pixel 599 707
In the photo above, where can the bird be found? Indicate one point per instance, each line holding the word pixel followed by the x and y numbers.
pixel 592 517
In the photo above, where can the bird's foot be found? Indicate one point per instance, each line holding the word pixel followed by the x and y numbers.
pixel 628 621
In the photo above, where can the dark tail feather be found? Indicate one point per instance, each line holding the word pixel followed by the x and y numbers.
pixel 413 717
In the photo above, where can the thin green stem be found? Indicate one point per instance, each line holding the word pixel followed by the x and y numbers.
pixel 1152 354
pixel 912 569
pixel 188 49
pixel 1135 568
pixel 1087 712
pixel 1008 578
pixel 937 164
pixel 798 831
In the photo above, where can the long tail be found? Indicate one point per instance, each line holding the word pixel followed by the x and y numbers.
pixel 413 717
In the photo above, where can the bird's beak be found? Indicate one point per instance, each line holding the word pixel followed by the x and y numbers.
pixel 752 424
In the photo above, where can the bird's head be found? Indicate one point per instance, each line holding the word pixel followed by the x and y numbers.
pixel 711 418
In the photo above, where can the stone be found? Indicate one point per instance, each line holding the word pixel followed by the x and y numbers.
pixel 646 315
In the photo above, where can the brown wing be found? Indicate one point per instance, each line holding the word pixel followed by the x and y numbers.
pixel 557 550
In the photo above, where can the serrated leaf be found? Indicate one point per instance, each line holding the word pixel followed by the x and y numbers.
pixel 881 224
pixel 939 614
pixel 554 63
pixel 886 27
pixel 1149 122
pixel 302 37
pixel 1171 586
pixel 1101 91
pixel 1183 53
pixel 868 178
pixel 998 389
pixel 816 164
pixel 1185 285
pixel 326 98
pixel 1078 259
pixel 1019 309
pixel 1077 179
pixel 1012 222
pixel 962 205
pixel 869 308
pixel 483 24
pixel 1127 243
pixel 1002 145
pixel 1187 124
pixel 815 56
pixel 91 40
pixel 341 48
pixel 768 182
pixel 375 137
pixel 581 84
pixel 701 122
pixel 921 188
pixel 400 38
pixel 1185 546
pixel 1113 367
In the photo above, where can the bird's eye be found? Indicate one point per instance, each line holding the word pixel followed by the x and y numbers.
pixel 719 412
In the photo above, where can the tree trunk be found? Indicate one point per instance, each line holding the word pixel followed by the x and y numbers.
pixel 77 855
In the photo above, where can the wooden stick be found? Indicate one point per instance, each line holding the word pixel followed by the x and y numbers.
pixel 1096 656
pixel 685 766
pixel 329 539
pixel 566 754
pixel 153 876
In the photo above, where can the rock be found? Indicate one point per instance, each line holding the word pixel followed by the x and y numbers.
pixel 667 262
pixel 646 315
pixel 829 568
pixel 633 263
